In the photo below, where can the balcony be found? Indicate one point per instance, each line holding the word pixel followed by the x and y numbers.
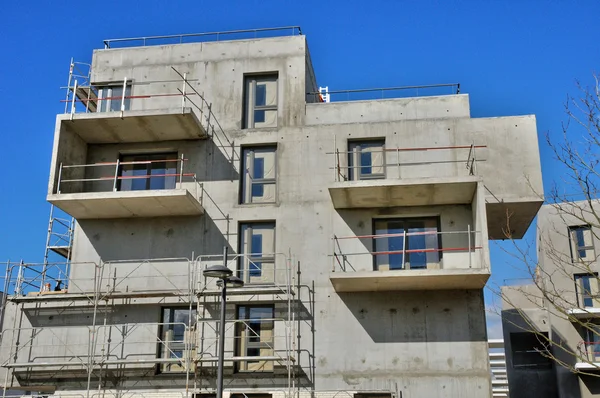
pixel 371 175
pixel 410 261
pixel 128 112
pixel 124 189
pixel 588 357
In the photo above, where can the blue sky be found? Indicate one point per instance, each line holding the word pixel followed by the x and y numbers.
pixel 511 57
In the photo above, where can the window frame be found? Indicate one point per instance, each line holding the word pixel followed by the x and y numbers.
pixel 582 296
pixel 105 105
pixel 243 193
pixel 249 106
pixel 262 259
pixel 148 174
pixel 574 244
pixel 161 347
pixel 355 171
pixel 405 221
pixel 252 345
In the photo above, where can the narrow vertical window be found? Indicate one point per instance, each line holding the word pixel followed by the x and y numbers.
pixel 586 287
pixel 366 160
pixel 259 184
pixel 257 252
pixel 176 337
pixel 260 101
pixel 582 243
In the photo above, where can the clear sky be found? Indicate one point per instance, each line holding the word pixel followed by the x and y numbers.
pixel 511 57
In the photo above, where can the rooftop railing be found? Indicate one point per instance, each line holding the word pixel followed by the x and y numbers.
pixel 385 93
pixel 203 37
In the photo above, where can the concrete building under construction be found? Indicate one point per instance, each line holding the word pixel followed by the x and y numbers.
pixel 360 227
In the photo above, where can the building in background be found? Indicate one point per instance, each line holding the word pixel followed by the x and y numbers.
pixel 551 325
pixel 359 226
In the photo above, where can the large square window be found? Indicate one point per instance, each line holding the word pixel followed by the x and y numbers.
pixel 260 101
pixel 148 171
pixel 582 243
pixel 257 252
pixel 406 243
pixel 259 175
pixel 366 160
pixel 177 337
pixel 530 350
pixel 254 337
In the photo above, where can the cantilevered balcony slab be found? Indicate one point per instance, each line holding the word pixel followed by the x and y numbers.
pixel 135 126
pixel 441 279
pixel 125 204
pixel 584 313
pixel 403 192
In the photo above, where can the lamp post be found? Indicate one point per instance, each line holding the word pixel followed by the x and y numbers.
pixel 225 278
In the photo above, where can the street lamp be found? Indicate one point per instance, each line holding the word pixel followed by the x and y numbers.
pixel 225 279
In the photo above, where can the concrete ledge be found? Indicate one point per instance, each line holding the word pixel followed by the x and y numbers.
pixel 584 313
pixel 403 192
pixel 135 126
pixel 590 367
pixel 442 279
pixel 518 214
pixel 125 204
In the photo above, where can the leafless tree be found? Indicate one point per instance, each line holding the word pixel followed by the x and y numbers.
pixel 551 268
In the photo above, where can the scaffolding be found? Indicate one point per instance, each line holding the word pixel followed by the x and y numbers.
pixel 97 350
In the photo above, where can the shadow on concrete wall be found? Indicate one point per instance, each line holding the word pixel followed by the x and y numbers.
pixel 154 238
pixel 417 316
pixel 219 163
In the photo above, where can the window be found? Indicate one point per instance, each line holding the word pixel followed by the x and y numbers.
pixel 254 337
pixel 592 342
pixel 366 160
pixel 174 336
pixel 110 98
pixel 257 252
pixel 414 244
pixel 586 287
pixel 149 171
pixel 260 104
pixel 582 243
pixel 528 350
pixel 259 175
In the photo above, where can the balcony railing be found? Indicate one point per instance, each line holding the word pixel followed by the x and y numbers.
pixel 589 354
pixel 408 162
pixel 467 256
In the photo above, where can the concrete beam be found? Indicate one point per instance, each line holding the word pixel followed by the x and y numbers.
pixel 125 204
pixel 135 126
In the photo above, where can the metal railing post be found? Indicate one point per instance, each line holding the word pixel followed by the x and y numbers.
pixel 123 96
pixel 398 160
pixel 181 172
pixel 73 99
pixel 116 176
pixel 59 177
pixel 183 92
pixel 403 248
pixel 470 254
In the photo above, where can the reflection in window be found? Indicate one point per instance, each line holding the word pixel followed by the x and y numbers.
pixel 110 98
pixel 259 175
pixel 586 286
pixel 582 243
pixel 260 106
pixel 257 252
pixel 254 337
pixel 148 171
pixel 415 243
pixel 366 160
pixel 177 330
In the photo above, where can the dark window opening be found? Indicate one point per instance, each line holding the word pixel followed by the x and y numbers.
pixel 142 172
pixel 530 350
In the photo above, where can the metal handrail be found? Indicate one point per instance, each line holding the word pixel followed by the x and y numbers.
pixel 143 39
pixel 382 90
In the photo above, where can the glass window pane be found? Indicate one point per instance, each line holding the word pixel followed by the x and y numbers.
pixel 366 159
pixel 265 118
pixel 115 98
pixel 365 162
pixel 261 94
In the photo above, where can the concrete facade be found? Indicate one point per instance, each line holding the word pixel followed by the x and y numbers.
pixel 414 332
pixel 554 305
